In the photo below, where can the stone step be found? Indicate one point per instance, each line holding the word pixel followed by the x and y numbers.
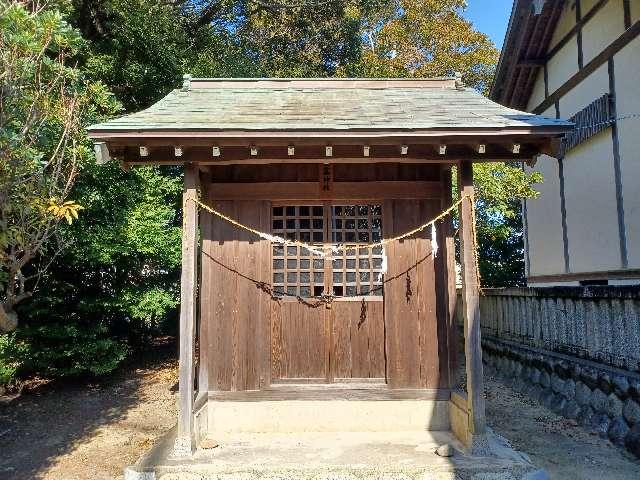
pixel 334 456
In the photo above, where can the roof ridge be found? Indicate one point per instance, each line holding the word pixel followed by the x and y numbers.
pixel 190 83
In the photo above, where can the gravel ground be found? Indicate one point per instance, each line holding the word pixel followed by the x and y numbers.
pixel 92 430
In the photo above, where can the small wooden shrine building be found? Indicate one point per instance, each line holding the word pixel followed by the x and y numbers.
pixel 333 328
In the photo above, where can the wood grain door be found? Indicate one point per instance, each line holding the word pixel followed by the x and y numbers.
pixel 343 341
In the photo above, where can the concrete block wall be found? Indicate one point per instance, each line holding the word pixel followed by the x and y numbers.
pixel 574 349
pixel 594 323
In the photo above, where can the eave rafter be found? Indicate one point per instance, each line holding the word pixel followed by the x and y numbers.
pixel 150 151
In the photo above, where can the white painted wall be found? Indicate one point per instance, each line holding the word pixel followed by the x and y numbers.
pixel 566 22
pixel 590 196
pixel 562 66
pixel 592 222
pixel 592 87
pixel 538 93
pixel 627 72
pixel 544 222
pixel 635 11
pixel 602 29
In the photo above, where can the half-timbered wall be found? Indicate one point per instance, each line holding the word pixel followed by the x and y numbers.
pixel 591 189
pixel 250 339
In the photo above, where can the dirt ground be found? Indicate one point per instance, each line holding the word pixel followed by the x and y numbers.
pixel 89 430
pixel 554 443
pixel 79 431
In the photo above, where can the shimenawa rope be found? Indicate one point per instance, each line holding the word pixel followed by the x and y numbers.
pixel 336 248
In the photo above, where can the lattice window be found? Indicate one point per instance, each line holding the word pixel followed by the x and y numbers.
pixel 354 272
pixel 357 271
pixel 296 271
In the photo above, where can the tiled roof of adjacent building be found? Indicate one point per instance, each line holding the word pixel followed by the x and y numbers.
pixel 325 105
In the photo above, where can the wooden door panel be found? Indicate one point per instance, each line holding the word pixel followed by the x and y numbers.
pixel 299 342
pixel 410 313
pixel 358 340
pixel 234 318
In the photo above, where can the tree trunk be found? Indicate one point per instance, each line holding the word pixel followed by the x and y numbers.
pixel 8 319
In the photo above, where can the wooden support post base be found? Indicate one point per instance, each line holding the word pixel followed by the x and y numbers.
pixel 183 447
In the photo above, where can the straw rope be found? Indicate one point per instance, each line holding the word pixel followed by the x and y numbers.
pixel 337 248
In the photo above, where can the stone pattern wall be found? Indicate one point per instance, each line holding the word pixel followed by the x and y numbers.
pixel 595 323
pixel 603 399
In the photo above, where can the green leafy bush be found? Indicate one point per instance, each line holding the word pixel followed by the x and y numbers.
pixel 115 286
pixel 8 367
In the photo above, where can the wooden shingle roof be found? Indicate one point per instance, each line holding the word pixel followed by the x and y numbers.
pixel 326 105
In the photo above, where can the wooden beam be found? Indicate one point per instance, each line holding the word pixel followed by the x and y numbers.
pixel 579 34
pixel 617 168
pixel 576 277
pixel 339 190
pixel 185 441
pixel 354 391
pixel 471 310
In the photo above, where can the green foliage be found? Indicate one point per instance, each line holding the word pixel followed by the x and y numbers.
pixel 424 38
pixel 8 367
pixel 115 287
pixel 500 188
pixel 59 347
pixel 45 101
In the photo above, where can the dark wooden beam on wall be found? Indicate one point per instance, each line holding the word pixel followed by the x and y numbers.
pixel 627 13
pixel 617 168
pixel 471 308
pixel 576 277
pixel 622 41
pixel 579 24
pixel 185 440
pixel 563 213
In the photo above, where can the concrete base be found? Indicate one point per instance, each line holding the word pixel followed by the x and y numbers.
pixel 333 456
pixel 227 418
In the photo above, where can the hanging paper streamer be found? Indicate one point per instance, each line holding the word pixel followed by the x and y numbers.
pixel 383 267
pixel 284 241
pixel 434 240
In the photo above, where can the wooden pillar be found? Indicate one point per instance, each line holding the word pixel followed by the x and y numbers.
pixel 185 441
pixel 471 309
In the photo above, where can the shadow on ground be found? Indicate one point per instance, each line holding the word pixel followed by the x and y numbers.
pixel 59 422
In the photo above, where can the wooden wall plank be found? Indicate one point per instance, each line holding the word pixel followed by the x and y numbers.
pixel 223 294
pixel 358 344
pixel 429 338
pixel 410 300
pixel 206 311
pixel 401 315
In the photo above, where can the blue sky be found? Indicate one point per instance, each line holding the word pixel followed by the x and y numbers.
pixel 490 17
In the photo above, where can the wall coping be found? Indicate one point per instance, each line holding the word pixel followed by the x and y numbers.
pixel 627 292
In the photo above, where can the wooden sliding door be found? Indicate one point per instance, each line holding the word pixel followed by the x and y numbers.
pixel 327 323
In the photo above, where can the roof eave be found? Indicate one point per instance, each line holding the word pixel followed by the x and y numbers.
pixel 550 130
pixel 528 31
